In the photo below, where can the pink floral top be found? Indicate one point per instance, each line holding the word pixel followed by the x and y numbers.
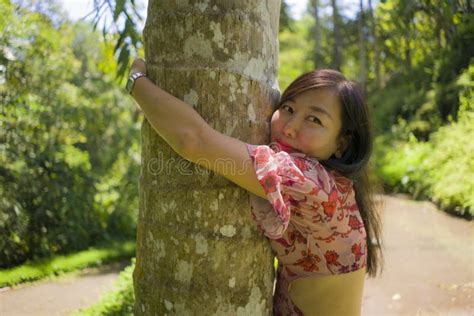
pixel 311 217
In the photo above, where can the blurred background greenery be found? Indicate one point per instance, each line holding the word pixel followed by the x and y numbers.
pixel 70 136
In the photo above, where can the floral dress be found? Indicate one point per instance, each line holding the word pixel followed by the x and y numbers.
pixel 311 218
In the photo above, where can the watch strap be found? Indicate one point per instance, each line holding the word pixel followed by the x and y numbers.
pixel 131 80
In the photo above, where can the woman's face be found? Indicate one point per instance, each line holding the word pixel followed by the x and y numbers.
pixel 310 123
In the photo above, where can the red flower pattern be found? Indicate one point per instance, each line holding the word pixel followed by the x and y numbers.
pixel 353 207
pixel 309 261
pixel 331 205
pixel 297 236
pixel 301 164
pixel 261 157
pixel 270 181
pixel 295 175
pixel 314 191
pixel 344 185
pixel 357 251
pixel 331 257
pixel 354 222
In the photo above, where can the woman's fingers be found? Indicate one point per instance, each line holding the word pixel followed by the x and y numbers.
pixel 139 65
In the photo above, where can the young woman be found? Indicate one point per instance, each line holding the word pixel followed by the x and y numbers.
pixel 311 191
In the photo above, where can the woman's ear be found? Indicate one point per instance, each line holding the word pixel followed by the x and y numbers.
pixel 343 143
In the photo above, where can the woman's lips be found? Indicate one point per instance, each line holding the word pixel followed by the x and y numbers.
pixel 284 146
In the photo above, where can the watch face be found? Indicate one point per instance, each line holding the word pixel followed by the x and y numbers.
pixel 129 85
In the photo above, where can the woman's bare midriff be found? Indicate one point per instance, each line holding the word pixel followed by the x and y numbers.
pixel 339 294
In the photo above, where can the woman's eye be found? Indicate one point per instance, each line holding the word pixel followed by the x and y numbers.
pixel 287 108
pixel 314 119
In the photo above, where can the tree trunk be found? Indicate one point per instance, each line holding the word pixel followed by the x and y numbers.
pixel 362 40
pixel 378 77
pixel 198 250
pixel 318 60
pixel 337 57
pixel 407 51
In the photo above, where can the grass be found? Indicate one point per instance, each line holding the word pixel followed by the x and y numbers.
pixel 94 256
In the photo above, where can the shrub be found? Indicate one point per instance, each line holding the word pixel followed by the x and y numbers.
pixel 119 301
pixel 69 139
pixel 442 168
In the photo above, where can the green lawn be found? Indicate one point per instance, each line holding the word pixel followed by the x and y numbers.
pixel 94 256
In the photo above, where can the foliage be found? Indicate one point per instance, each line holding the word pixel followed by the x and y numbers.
pixel 451 165
pixel 119 301
pixel 443 168
pixel 294 57
pixel 401 164
pixel 421 63
pixel 68 136
pixel 95 256
pixel 286 21
pixel 127 21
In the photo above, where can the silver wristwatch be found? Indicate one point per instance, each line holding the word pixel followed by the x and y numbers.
pixel 131 81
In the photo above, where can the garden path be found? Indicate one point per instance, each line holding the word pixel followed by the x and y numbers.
pixel 61 295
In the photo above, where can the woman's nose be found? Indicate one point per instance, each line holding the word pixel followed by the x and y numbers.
pixel 290 129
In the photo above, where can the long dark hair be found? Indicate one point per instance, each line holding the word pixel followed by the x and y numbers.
pixel 354 162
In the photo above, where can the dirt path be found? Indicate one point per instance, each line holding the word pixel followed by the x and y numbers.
pixel 60 296
pixel 429 263
pixel 429 270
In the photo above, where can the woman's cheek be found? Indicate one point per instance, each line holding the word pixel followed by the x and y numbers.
pixel 275 124
pixel 306 142
pixel 309 136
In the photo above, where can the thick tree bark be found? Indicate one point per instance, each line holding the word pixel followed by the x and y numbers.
pixel 198 250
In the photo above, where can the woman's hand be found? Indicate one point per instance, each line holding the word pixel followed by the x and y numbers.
pixel 138 65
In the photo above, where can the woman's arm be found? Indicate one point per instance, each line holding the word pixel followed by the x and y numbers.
pixel 175 121
pixel 191 137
